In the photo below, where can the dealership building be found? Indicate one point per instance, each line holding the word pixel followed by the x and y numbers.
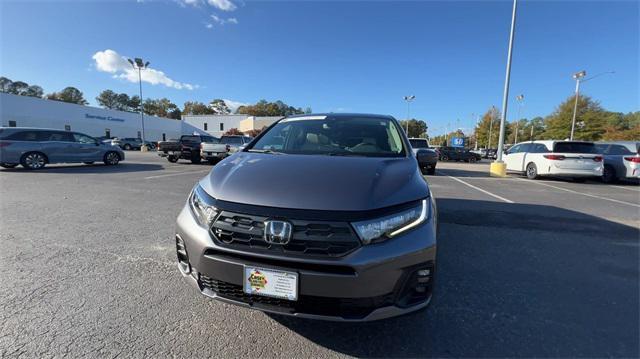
pixel 23 111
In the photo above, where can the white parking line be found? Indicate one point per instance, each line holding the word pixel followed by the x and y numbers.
pixel 627 188
pixel 176 174
pixel 583 194
pixel 479 189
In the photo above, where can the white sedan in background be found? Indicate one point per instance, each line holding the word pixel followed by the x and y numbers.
pixel 573 159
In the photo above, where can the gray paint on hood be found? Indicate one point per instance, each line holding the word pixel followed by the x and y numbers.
pixel 316 182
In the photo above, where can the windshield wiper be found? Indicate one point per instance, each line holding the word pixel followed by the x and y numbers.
pixel 344 154
pixel 265 151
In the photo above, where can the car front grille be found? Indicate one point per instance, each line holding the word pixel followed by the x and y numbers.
pixel 349 308
pixel 309 238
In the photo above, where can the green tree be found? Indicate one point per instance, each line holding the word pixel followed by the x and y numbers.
pixel 4 84
pixel 175 114
pixel 108 99
pixel 34 91
pixel 161 107
pixel 590 120
pixel 219 107
pixel 417 128
pixel 489 129
pixel 18 88
pixel 196 108
pixel 265 108
pixel 68 94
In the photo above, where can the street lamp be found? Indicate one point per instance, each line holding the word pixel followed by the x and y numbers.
pixel 520 99
pixel 578 77
pixel 408 99
pixel 138 64
pixel 498 168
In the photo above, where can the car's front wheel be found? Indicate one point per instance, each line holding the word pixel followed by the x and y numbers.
pixel 532 171
pixel 473 160
pixel 172 159
pixel 8 165
pixel 33 160
pixel 127 147
pixel 111 158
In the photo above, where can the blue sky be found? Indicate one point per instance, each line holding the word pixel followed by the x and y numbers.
pixel 332 56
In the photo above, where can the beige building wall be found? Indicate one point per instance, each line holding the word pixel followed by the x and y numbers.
pixel 256 123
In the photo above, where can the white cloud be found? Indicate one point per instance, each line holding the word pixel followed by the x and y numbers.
pixel 224 5
pixel 117 65
pixel 233 105
pixel 208 25
pixel 220 21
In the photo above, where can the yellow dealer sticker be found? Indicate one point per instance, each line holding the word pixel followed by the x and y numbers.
pixel 257 280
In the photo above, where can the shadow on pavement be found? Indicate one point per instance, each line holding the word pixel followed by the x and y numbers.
pixel 513 280
pixel 123 167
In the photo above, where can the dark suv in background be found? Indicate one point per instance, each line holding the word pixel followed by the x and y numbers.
pixel 321 216
pixel 458 154
pixel 34 148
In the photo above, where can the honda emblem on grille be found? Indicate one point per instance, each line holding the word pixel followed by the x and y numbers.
pixel 277 232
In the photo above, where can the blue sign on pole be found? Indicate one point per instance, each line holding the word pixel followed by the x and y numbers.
pixel 457 142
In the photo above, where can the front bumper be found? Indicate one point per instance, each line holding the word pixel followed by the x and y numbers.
pixel 371 283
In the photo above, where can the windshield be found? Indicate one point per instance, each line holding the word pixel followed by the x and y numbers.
pixel 231 140
pixel 575 147
pixel 419 143
pixel 339 136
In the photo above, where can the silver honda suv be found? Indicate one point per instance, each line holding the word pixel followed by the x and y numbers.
pixel 321 216
pixel 33 148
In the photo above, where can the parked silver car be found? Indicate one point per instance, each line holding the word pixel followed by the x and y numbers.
pixel 131 143
pixel 33 148
pixel 621 160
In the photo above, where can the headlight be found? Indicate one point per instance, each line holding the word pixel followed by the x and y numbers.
pixel 203 206
pixel 390 226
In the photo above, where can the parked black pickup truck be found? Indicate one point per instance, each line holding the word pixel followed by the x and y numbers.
pixel 187 148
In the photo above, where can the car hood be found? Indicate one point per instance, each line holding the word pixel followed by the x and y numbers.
pixel 316 182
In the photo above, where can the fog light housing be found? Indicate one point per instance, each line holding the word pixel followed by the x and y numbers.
pixel 183 257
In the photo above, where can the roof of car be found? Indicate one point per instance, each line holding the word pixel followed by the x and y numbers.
pixel 33 128
pixel 341 115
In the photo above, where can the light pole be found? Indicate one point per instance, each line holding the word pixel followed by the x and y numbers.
pixel 409 99
pixel 520 99
pixel 578 77
pixel 498 168
pixel 138 64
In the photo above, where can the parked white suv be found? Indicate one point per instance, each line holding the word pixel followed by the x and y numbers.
pixel 575 159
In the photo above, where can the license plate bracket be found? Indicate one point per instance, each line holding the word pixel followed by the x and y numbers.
pixel 270 283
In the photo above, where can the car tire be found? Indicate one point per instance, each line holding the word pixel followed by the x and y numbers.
pixel 111 158
pixel 88 163
pixel 172 159
pixel 444 158
pixel 33 160
pixel 431 171
pixel 8 165
pixel 473 160
pixel 609 174
pixel 532 171
pixel 127 147
pixel 196 159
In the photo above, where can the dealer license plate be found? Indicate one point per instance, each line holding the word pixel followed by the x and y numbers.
pixel 271 283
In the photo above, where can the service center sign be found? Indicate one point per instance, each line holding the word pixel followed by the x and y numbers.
pixel 457 142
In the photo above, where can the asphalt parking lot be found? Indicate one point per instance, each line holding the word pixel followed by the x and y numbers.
pixel 544 268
